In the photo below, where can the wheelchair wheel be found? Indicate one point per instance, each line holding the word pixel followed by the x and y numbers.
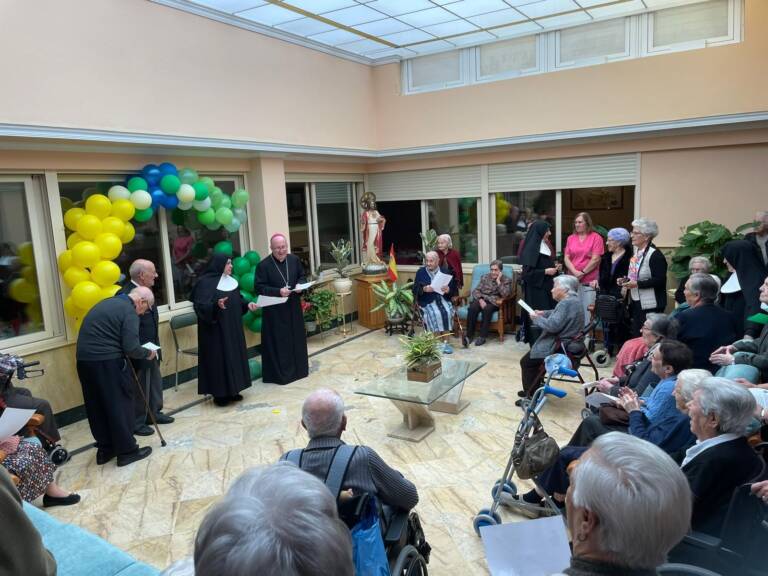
pixel 586 413
pixel 485 519
pixel 409 563
pixel 509 488
pixel 602 358
pixel 59 455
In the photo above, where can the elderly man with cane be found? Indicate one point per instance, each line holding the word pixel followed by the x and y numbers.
pixel 109 334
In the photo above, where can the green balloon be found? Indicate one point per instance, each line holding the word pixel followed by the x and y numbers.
pixel 258 310
pixel 253 257
pixel 239 198
pixel 223 247
pixel 216 195
pixel 246 295
pixel 178 217
pixel 137 183
pixel 209 183
pixel 170 184
pixel 247 281
pixel 240 266
pixel 201 190
pixel 248 317
pixel 207 217
pixel 226 202
pixel 256 325
pixel 224 216
pixel 143 215
pixel 187 176
pixel 254 367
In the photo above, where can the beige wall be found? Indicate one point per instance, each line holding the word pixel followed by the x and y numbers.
pixel 137 66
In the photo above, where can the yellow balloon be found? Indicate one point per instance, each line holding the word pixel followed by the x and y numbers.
pixel 129 233
pixel 98 205
pixel 26 253
pixel 73 239
pixel 71 308
pixel 105 273
pixel 114 225
pixel 86 254
pixel 71 217
pixel 34 312
pixel 29 274
pixel 22 291
pixel 86 294
pixel 65 260
pixel 89 226
pixel 109 291
pixel 74 275
pixel 123 209
pixel 109 244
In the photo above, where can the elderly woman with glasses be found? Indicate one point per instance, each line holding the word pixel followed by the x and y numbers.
pixel 646 279
pixel 436 307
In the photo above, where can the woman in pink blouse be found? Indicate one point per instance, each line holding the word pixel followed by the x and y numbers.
pixel 583 251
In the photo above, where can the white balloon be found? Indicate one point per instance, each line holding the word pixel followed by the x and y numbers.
pixel 233 226
pixel 239 213
pixel 202 205
pixel 141 199
pixel 185 205
pixel 186 193
pixel 118 193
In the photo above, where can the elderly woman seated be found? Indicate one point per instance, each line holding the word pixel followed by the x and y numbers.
pixel 696 265
pixel 561 324
pixel 436 308
pixel 627 506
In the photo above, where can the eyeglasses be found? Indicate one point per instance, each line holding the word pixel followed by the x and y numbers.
pixel 636 233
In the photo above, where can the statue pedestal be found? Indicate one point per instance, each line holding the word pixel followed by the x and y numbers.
pixel 366 300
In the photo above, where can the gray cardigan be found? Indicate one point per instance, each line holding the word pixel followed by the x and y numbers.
pixel 564 322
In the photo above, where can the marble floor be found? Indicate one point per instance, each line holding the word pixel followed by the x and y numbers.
pixel 152 508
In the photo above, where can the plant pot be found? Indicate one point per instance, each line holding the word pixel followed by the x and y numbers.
pixel 424 372
pixel 395 319
pixel 342 285
pixel 310 325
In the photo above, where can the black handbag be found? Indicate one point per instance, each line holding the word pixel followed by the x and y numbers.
pixel 535 454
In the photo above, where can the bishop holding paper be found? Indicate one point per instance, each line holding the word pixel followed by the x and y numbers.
pixel 283 341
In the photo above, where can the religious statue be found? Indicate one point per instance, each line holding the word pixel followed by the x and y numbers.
pixel 372 227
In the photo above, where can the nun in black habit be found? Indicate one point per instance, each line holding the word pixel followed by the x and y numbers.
pixel 741 292
pixel 539 269
pixel 283 340
pixel 222 369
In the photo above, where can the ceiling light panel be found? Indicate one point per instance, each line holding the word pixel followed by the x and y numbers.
pixel 355 15
pixel 508 16
pixel 230 6
pixel 466 8
pixel 321 6
pixel 397 7
pixel 427 17
pixel 269 14
pixel 450 28
pixel 547 8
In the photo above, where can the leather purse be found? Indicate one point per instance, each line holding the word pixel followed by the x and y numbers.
pixel 535 454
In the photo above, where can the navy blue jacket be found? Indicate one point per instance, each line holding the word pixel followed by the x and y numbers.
pixel 704 329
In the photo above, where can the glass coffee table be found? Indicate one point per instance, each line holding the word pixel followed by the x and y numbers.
pixel 416 399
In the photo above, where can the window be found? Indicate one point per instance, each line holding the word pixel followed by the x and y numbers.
pixel 514 213
pixel 333 209
pixel 27 284
pixel 507 58
pixel 436 71
pixel 402 229
pixel 457 217
pixel 593 42
pixel 191 245
pixel 697 22
pixel 296 195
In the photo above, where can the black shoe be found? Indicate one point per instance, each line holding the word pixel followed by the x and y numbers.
pixel 522 394
pixel 162 419
pixel 143 431
pixel 103 456
pixel 236 398
pixel 464 342
pixel 519 402
pixel 131 457
pixel 479 341
pixel 221 401
pixel 49 501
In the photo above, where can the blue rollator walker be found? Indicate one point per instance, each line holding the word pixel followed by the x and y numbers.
pixel 532 453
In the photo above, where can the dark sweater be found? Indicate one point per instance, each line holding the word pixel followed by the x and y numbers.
pixel 704 329
pixel 110 331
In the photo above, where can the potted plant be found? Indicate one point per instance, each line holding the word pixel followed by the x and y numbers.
pixel 310 319
pixel 323 302
pixel 341 252
pixel 422 356
pixel 704 239
pixel 428 243
pixel 396 300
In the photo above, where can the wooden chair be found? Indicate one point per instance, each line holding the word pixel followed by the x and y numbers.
pixel 35 421
pixel 177 323
pixel 506 311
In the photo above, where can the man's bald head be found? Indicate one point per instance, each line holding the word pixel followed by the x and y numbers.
pixel 278 244
pixel 143 299
pixel 143 272
pixel 323 414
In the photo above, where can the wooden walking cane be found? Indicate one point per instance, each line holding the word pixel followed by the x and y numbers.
pixel 146 403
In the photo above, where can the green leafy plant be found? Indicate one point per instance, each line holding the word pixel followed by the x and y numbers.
pixel 428 243
pixel 323 302
pixel 341 252
pixel 704 239
pixel 396 300
pixel 424 348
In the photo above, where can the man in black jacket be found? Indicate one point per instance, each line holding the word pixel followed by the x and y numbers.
pixel 109 334
pixel 143 273
pixel 760 236
pixel 704 327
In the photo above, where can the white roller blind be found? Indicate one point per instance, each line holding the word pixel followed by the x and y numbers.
pixel 424 184
pixel 508 56
pixel 331 192
pixel 601 39
pixel 620 170
pixel 436 70
pixel 690 23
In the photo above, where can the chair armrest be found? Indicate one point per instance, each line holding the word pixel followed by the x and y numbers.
pixel 398 523
pixel 701 541
pixel 34 422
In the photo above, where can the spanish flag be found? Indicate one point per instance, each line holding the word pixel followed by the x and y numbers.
pixel 392 268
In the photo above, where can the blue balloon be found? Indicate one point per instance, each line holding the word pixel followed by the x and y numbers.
pixel 157 197
pixel 152 174
pixel 169 202
pixel 168 168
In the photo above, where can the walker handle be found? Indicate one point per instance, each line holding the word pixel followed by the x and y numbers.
pixel 567 371
pixel 555 391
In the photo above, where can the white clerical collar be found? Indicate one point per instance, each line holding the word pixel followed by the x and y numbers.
pixel 134 283
pixel 545 249
pixel 731 285
pixel 226 283
pixel 703 445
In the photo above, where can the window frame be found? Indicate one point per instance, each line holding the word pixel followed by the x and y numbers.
pixel 559 64
pixel 540 45
pixel 464 74
pixel 314 225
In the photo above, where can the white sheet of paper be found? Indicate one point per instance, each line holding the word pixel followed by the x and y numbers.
pixel 440 281
pixel 596 399
pixel 524 305
pixel 303 286
pixel 151 346
pixel 530 548
pixel 590 384
pixel 264 301
pixel 226 283
pixel 13 420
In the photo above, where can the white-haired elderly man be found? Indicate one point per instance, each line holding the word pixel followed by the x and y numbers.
pixel 760 235
pixel 562 323
pixel 627 506
pixel 322 416
pixel 273 521
pixel 696 265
